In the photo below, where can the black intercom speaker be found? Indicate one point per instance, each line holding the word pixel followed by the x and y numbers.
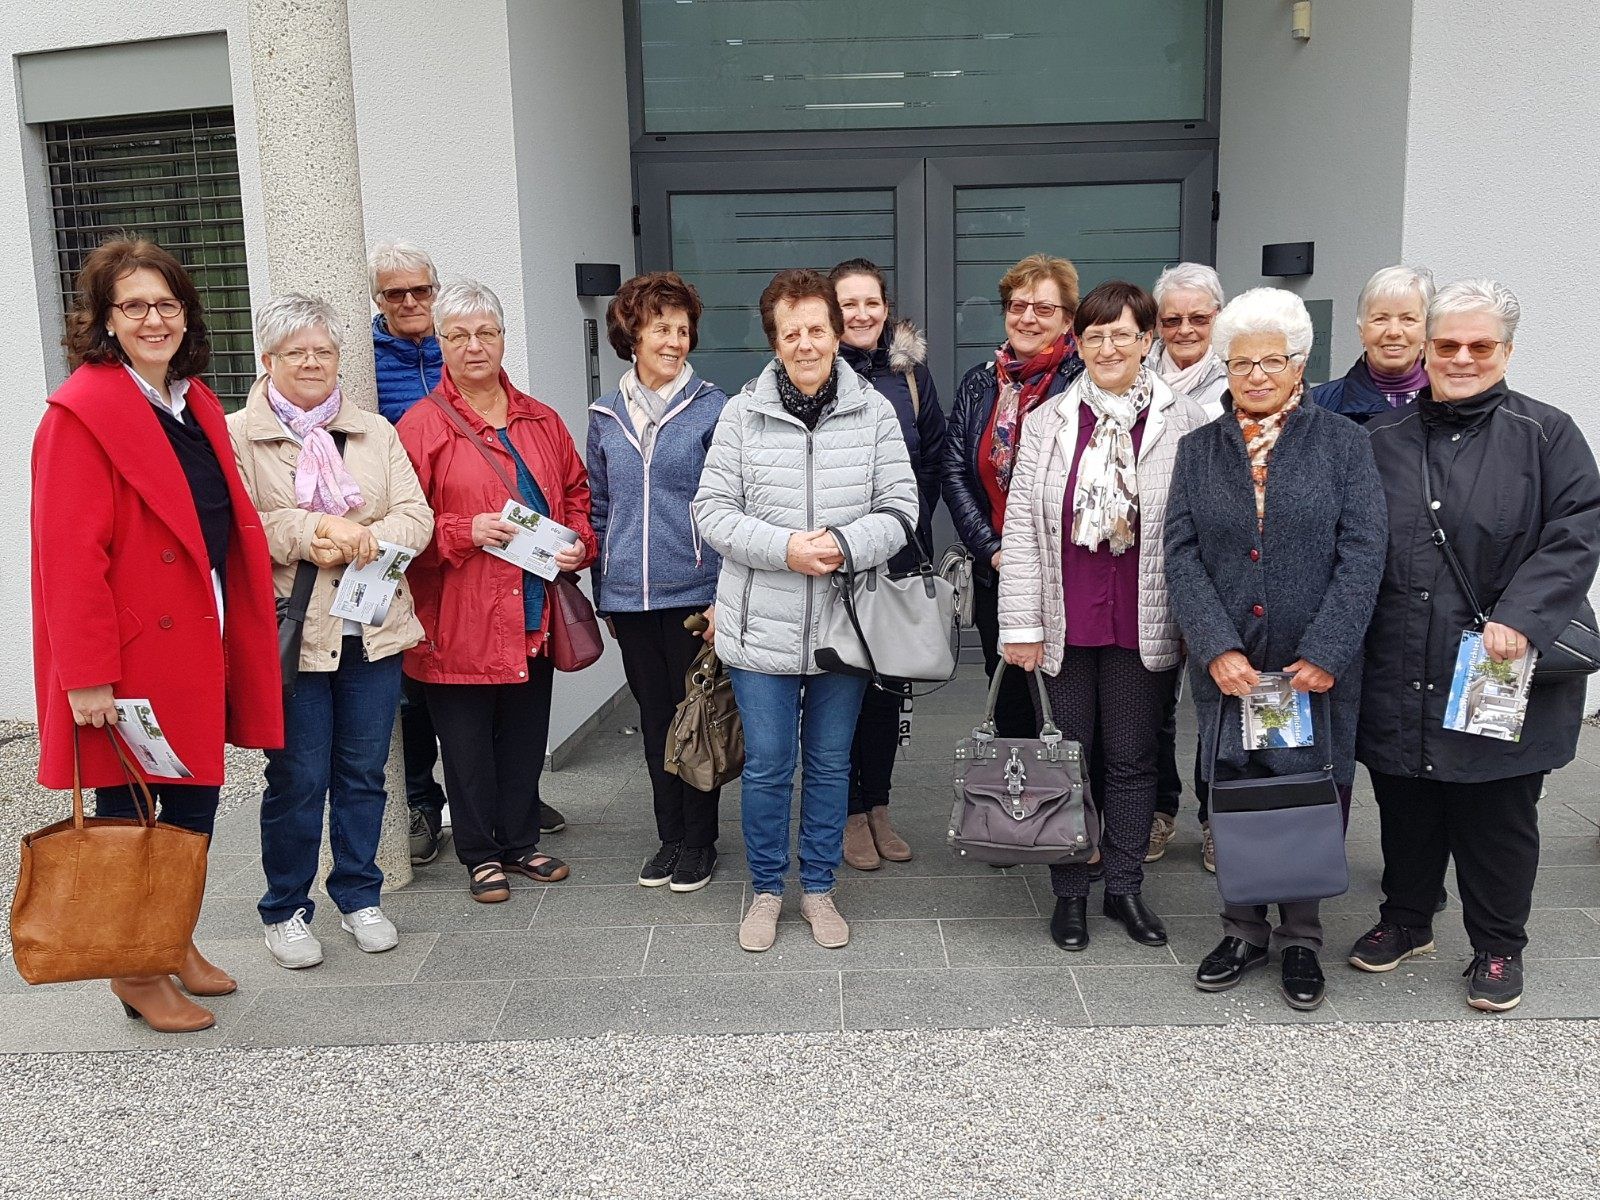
pixel 599 279
pixel 1287 258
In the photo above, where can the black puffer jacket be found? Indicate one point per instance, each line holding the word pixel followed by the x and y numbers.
pixel 901 350
pixel 1519 498
pixel 963 490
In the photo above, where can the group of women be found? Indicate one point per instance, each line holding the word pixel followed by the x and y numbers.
pixel 1139 480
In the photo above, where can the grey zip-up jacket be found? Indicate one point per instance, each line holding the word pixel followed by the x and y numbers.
pixel 767 477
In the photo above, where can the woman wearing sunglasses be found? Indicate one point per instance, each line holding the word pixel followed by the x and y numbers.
pixel 1514 489
pixel 1038 359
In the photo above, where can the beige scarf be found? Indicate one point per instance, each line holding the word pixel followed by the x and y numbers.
pixel 1105 502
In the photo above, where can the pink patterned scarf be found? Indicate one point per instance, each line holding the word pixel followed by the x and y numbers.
pixel 321 483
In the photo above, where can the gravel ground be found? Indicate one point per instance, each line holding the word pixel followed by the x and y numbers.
pixel 25 806
pixel 1376 1112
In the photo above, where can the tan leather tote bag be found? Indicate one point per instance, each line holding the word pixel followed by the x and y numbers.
pixel 107 897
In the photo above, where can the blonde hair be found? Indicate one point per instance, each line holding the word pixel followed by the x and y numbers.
pixel 1037 268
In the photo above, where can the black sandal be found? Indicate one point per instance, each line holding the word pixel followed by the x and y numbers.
pixel 541 868
pixel 488 883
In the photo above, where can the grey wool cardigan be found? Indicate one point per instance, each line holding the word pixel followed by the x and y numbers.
pixel 1304 587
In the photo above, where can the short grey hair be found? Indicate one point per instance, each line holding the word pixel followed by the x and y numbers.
pixel 1189 277
pixel 1395 283
pixel 1477 295
pixel 397 256
pixel 466 298
pixel 282 317
pixel 1263 310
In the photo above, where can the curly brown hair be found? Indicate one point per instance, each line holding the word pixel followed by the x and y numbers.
pixel 647 296
pixel 89 340
pixel 795 285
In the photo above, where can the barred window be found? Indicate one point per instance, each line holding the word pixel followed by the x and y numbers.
pixel 173 178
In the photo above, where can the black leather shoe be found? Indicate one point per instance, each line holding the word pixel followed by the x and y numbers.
pixel 1069 924
pixel 1143 926
pixel 1226 965
pixel 1303 985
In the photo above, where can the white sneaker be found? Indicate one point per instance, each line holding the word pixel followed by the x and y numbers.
pixel 373 931
pixel 293 944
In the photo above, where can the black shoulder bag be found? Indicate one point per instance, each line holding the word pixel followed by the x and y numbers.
pixel 1576 651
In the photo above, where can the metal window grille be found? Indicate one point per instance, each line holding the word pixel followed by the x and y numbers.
pixel 173 178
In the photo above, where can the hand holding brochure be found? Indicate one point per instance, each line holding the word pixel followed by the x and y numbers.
pixel 536 542
pixel 1276 717
pixel 365 593
pixel 1488 698
pixel 141 733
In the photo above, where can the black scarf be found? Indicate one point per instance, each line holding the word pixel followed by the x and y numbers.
pixel 807 409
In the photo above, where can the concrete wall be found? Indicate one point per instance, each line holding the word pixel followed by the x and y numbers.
pixel 575 199
pixel 1313 146
pixel 31 359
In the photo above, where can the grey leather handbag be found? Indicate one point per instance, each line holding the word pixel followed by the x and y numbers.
pixel 1279 838
pixel 1021 800
pixel 892 628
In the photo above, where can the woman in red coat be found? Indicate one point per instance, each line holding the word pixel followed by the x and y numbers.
pixel 150 571
pixel 485 622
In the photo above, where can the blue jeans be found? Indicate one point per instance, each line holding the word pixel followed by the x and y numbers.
pixel 336 730
pixel 790 717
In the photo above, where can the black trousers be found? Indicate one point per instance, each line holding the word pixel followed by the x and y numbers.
pixel 493 738
pixel 1014 715
pixel 188 805
pixel 1104 696
pixel 656 653
pixel 420 746
pixel 873 752
pixel 1492 831
pixel 1169 783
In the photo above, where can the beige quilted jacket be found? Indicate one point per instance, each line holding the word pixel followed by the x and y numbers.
pixel 1032 598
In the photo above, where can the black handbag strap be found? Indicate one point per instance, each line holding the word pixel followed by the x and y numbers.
pixel 1049 734
pixel 1319 704
pixel 1440 540
pixel 305 574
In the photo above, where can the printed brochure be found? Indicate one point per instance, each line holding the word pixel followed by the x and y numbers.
pixel 141 733
pixel 536 542
pixel 1276 717
pixel 365 593
pixel 1488 698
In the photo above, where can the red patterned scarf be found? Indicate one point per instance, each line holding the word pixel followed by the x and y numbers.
pixel 1021 386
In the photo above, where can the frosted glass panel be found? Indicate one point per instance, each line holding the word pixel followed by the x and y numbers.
pixel 1109 231
pixel 729 244
pixel 723 65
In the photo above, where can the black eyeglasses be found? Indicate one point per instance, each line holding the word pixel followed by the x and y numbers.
pixel 138 310
pixel 1272 364
pixel 398 295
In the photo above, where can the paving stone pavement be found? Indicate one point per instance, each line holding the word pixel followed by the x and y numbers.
pixel 935 943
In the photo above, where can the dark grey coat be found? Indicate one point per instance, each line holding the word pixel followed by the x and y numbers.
pixel 1314 573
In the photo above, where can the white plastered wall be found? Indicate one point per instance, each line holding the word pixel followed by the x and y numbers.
pixel 31 359
pixel 1313 147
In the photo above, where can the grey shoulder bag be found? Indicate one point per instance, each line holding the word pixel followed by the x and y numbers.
pixel 1021 800
pixel 1279 838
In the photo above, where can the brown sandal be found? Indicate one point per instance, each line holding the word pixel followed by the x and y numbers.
pixel 541 868
pixel 488 884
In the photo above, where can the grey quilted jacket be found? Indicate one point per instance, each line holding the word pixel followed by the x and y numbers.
pixel 767 477
pixel 1032 595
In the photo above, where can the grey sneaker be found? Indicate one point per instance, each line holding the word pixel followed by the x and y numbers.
pixel 827 926
pixel 1208 849
pixel 425 836
pixel 759 929
pixel 293 944
pixel 374 932
pixel 1162 827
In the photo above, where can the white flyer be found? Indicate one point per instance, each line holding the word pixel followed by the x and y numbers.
pixel 141 733
pixel 536 542
pixel 365 593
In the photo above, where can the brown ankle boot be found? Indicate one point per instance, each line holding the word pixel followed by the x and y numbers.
pixel 859 851
pixel 890 844
pixel 202 978
pixel 163 1007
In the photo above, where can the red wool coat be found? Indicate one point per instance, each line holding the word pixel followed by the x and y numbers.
pixel 122 590
pixel 470 602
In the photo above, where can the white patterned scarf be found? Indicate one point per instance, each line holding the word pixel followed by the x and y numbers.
pixel 1105 502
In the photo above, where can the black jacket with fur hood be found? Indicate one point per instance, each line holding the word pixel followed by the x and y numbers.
pixel 903 350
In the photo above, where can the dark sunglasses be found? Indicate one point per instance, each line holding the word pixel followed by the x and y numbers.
pixel 398 295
